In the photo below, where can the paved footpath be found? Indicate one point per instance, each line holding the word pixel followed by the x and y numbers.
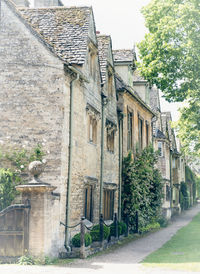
pixel 123 260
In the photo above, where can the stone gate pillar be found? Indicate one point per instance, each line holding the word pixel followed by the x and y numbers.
pixel 39 194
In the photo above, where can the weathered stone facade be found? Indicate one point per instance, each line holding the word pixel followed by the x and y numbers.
pixel 137 121
pixel 34 98
pixel 111 132
pixel 36 89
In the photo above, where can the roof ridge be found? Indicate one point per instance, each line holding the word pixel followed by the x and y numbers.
pixel 103 35
pixel 55 8
pixel 122 49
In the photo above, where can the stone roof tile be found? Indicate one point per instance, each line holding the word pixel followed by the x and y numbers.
pixel 103 47
pixel 124 55
pixel 64 29
pixel 159 134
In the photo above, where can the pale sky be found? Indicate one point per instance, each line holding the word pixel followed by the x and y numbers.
pixel 120 19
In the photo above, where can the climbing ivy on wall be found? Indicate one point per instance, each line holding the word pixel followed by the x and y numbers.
pixel 184 197
pixel 7 188
pixel 13 171
pixel 191 180
pixel 142 187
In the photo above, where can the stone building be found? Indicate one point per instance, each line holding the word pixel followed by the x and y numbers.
pixel 51 94
pixel 175 159
pixel 169 157
pixel 162 144
pixel 63 87
pixel 110 136
pixel 137 121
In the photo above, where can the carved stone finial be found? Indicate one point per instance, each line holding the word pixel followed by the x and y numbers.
pixel 36 168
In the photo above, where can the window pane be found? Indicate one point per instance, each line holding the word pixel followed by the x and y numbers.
pixel 88 203
pixel 108 204
pixel 160 149
pixel 129 130
pixel 140 131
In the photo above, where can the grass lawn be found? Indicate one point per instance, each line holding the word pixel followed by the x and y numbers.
pixel 182 252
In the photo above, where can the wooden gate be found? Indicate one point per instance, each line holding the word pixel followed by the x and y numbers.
pixel 14 230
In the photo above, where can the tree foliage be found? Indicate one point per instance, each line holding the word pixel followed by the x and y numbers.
pixel 13 171
pixel 184 197
pixel 170 59
pixel 188 128
pixel 142 187
pixel 7 188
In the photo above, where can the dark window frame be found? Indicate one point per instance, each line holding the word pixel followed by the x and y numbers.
pixel 147 133
pixel 108 204
pixel 140 132
pixel 88 202
pixel 130 118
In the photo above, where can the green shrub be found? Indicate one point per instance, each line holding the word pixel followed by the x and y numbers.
pixel 95 233
pixel 26 260
pixel 29 260
pixel 112 229
pixel 142 187
pixel 76 240
pixel 150 227
pixel 163 222
pixel 124 228
pixel 7 188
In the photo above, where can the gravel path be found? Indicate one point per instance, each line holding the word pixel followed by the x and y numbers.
pixel 122 260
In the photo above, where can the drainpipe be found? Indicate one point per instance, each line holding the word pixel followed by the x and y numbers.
pixel 171 186
pixel 71 125
pixel 120 119
pixel 103 104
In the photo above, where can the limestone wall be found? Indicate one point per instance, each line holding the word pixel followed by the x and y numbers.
pixel 32 92
pixel 34 108
pixel 130 103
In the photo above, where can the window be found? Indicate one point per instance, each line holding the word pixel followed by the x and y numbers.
pixel 110 84
pixel 160 149
pixel 89 203
pixel 92 130
pixel 140 133
pixel 92 58
pixel 179 163
pixel 147 133
pixel 129 130
pixel 110 140
pixel 168 193
pixel 108 204
pixel 173 163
